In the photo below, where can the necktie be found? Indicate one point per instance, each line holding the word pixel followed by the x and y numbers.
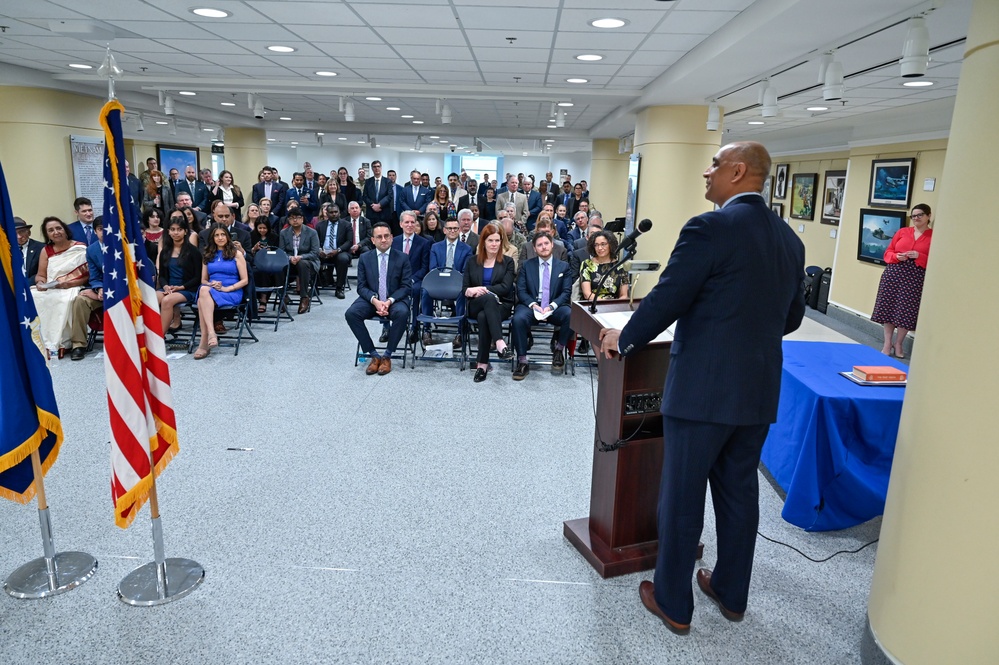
pixel 393 197
pixel 89 233
pixel 464 237
pixel 267 190
pixel 355 231
pixel 295 240
pixel 546 277
pixel 449 263
pixel 406 247
pixel 383 277
pixel 330 232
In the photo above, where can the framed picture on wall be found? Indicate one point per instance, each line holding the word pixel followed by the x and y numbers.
pixel 778 209
pixel 768 190
pixel 780 184
pixel 832 199
pixel 803 195
pixel 176 157
pixel 877 227
pixel 891 182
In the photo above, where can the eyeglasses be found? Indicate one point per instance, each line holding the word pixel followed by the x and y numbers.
pixel 917 215
pixel 601 244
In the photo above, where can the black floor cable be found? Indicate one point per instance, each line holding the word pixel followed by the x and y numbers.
pixel 777 542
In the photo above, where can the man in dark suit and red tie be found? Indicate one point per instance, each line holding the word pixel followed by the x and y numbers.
pixel 384 281
pixel 733 285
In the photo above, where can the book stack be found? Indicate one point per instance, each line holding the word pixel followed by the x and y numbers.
pixel 878 374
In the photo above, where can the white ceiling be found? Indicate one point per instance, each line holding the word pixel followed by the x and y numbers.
pixel 413 54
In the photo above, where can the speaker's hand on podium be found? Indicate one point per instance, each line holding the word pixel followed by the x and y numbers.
pixel 608 342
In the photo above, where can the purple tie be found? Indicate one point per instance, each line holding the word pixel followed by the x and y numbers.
pixel 546 278
pixel 406 249
pixel 383 277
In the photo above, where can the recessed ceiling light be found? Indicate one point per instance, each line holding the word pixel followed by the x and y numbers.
pixel 294 142
pixel 817 108
pixel 187 93
pixel 341 138
pixel 756 122
pixel 417 122
pixel 228 103
pixel 608 23
pixel 162 122
pixel 413 149
pixel 525 154
pixel 577 80
pixel 565 103
pixel 406 116
pixel 325 73
pixel 207 12
pixel 589 57
pixel 551 126
pixel 378 145
pixel 441 141
pixel 284 118
pixel 76 65
pixel 917 84
pixel 207 129
pixel 549 140
pixel 320 133
pixel 281 49
pixel 362 141
pixel 435 137
pixel 392 108
pixel 373 99
pixel 272 139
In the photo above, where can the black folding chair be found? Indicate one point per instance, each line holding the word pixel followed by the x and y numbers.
pixel 273 262
pixel 232 337
pixel 443 286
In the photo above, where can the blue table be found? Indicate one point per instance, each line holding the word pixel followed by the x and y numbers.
pixel 832 445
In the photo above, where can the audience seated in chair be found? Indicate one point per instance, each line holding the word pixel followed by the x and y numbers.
pixel 334 234
pixel 90 299
pixel 541 299
pixel 178 273
pixel 544 225
pixel 417 248
pixel 301 244
pixel 488 287
pixel 223 278
pixel 595 277
pixel 448 253
pixel 384 283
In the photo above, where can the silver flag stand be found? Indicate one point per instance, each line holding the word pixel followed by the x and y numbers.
pixel 53 573
pixel 162 580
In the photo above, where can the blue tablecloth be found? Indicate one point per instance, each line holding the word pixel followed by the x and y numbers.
pixel 832 445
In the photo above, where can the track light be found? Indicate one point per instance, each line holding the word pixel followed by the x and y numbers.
pixel 770 101
pixel 551 113
pixel 371 141
pixel 348 111
pixel 341 104
pixel 823 65
pixel 251 100
pixel 445 115
pixel 162 98
pixel 560 119
pixel 916 51
pixel 220 136
pixel 478 145
pixel 141 127
pixel 168 105
pixel 437 106
pixel 714 117
pixel 319 139
pixel 832 88
pixel 173 128
pixel 419 142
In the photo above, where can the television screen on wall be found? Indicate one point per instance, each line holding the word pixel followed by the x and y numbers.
pixel 631 205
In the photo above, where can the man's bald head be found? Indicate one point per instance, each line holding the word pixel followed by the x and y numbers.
pixel 754 156
pixel 735 169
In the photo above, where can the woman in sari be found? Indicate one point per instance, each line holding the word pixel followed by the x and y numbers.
pixel 62 271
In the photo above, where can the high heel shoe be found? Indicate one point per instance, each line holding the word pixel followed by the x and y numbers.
pixel 201 353
pixel 213 341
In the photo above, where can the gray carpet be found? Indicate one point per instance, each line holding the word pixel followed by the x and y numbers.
pixel 411 518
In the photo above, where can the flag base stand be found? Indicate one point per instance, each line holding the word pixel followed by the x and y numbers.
pixel 160 581
pixel 53 573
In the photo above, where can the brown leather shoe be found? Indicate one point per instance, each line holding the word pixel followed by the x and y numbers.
pixel 647 592
pixel 373 366
pixel 303 305
pixel 704 582
pixel 385 367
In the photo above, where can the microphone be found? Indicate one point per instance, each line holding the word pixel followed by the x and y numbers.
pixel 632 238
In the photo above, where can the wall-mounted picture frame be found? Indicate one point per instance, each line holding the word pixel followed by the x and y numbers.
pixel 891 182
pixel 803 195
pixel 778 209
pixel 832 198
pixel 177 157
pixel 768 190
pixel 877 227
pixel 780 182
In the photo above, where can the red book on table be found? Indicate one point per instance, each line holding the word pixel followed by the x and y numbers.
pixel 878 373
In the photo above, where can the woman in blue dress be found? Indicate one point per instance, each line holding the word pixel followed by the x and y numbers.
pixel 223 278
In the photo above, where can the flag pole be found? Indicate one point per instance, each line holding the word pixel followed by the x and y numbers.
pixel 52 573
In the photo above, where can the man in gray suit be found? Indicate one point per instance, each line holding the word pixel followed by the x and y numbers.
pixel 301 244
pixel 465 232
pixel 511 195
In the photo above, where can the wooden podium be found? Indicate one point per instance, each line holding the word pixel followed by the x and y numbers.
pixel 619 537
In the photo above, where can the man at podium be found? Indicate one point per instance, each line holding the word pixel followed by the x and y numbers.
pixel 733 285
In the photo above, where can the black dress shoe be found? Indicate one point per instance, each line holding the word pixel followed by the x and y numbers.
pixel 647 592
pixel 78 353
pixel 506 354
pixel 456 342
pixel 339 294
pixel 480 375
pixel 384 336
pixel 558 362
pixel 414 336
pixel 521 372
pixel 428 339
pixel 530 340
pixel 704 583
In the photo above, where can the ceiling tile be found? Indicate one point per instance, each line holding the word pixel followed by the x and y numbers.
pixel 414 16
pixel 497 39
pixel 695 22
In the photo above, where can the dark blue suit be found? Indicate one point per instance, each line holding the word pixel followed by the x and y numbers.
pixel 311 206
pixel 408 202
pixel 383 197
pixel 277 197
pixel 733 285
pixel 419 263
pixel 534 205
pixel 199 196
pixel 79 235
pixel 399 285
pixel 529 292
pixel 438 259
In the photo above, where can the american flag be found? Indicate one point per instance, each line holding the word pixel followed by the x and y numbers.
pixel 140 404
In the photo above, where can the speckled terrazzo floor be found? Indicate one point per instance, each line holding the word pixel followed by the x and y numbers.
pixel 412 518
